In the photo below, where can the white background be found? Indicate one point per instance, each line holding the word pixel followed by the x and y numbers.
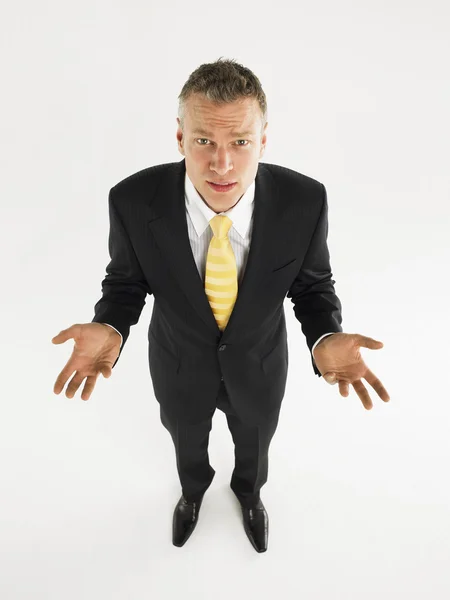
pixel 358 501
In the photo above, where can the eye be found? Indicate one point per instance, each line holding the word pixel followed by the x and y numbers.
pixel 205 139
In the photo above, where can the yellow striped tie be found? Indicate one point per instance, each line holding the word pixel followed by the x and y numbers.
pixel 221 285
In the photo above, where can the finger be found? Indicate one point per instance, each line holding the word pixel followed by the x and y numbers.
pixel 106 372
pixel 74 384
pixel 63 378
pixel 363 394
pixel 330 378
pixel 377 385
pixel 63 336
pixel 368 342
pixel 343 388
pixel 88 387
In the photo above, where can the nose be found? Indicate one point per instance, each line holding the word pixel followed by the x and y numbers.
pixel 221 163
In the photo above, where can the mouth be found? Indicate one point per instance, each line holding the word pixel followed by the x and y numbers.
pixel 221 187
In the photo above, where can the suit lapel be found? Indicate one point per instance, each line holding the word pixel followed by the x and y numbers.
pixel 168 225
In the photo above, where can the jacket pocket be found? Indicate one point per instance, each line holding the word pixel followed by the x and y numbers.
pixel 284 266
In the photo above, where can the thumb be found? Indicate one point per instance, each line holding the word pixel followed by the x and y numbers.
pixel 367 342
pixel 330 378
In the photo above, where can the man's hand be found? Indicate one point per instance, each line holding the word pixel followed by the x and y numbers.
pixel 338 359
pixel 97 346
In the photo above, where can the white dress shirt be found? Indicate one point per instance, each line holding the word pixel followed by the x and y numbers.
pixel 198 216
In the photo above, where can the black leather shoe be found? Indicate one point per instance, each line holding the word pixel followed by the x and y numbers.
pixel 185 518
pixel 256 525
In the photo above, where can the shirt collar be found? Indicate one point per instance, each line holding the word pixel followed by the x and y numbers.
pixel 201 214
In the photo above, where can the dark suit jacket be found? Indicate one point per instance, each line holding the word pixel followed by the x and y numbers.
pixel 188 354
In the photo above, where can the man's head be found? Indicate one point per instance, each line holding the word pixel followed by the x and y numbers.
pixel 221 130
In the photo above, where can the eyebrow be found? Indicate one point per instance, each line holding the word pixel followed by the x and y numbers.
pixel 233 133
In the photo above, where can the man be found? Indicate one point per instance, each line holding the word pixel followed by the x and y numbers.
pixel 219 239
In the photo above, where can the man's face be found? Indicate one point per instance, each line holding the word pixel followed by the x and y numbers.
pixel 221 143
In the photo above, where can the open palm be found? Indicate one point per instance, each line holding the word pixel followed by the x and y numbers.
pixel 339 360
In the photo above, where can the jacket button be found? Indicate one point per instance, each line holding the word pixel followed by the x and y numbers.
pixel 222 347
pixel 221 379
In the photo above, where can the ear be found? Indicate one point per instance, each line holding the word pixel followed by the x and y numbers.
pixel 263 141
pixel 180 140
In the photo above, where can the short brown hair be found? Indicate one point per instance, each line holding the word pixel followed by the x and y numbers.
pixel 223 81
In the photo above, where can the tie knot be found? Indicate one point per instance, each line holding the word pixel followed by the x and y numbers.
pixel 220 225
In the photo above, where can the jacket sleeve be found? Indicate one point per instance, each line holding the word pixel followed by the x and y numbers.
pixel 124 288
pixel 316 305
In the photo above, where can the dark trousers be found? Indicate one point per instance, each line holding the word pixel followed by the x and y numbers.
pixel 251 447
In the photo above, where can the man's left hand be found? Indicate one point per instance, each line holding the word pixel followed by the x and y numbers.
pixel 338 359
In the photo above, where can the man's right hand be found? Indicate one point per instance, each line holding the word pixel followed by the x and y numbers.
pixel 97 347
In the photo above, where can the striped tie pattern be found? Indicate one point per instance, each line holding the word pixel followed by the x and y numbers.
pixel 221 284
